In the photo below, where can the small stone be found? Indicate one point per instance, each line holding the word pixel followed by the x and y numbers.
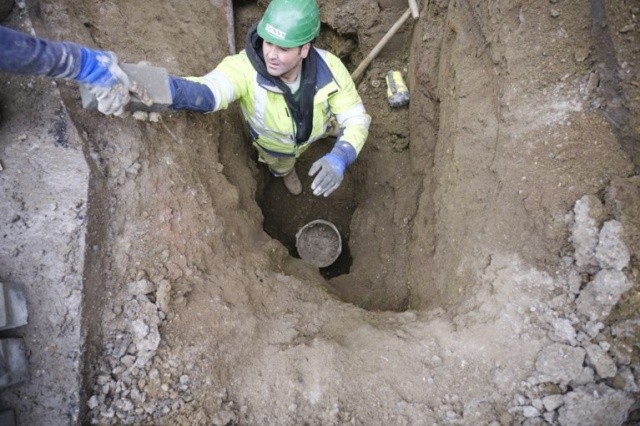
pixel 154 374
pixel 597 405
pixel 622 353
pixel 551 418
pixel 185 380
pixel 108 414
pixel 555 13
pixel 119 370
pixel 604 365
pixel 140 287
pixel 530 411
pixel 611 251
pixel 564 331
pixel 552 402
pixel 585 377
pixel 601 294
pixel 150 407
pixel 93 402
pixel 593 328
pixel 560 363
pixel 136 395
pixel 128 360
pixel 581 55
pixel 224 417
pixel 627 28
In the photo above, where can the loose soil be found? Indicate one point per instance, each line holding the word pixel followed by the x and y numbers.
pixel 491 228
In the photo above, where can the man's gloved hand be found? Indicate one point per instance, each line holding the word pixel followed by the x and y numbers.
pixel 105 80
pixel 331 167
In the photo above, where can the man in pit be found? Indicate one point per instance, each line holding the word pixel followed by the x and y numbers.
pixel 289 92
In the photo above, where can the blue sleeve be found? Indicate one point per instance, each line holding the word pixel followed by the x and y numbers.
pixel 345 151
pixel 23 54
pixel 190 95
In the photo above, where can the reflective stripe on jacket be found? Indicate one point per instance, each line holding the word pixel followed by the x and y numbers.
pixel 270 121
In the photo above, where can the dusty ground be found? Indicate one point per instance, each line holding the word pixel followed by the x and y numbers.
pixel 493 229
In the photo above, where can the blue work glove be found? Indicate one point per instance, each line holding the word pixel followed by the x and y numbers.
pixel 103 77
pixel 330 169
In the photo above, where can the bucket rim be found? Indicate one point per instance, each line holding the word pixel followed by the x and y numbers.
pixel 330 225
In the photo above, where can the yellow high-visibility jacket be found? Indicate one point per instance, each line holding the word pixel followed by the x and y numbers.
pixel 273 123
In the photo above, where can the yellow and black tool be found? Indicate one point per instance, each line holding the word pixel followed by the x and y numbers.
pixel 397 91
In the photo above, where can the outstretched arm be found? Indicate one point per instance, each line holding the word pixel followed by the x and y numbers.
pixel 24 54
pixel 190 95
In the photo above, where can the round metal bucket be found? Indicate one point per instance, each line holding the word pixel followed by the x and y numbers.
pixel 319 243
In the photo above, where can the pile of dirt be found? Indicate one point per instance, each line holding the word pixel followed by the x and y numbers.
pixel 491 227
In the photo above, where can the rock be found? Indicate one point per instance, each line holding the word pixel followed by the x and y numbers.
pixel 224 417
pixel 530 411
pixel 537 403
pixel 621 352
pixel 584 233
pixel 551 417
pixel 564 331
pixel 575 281
pixel 585 377
pixel 592 328
pixel 478 412
pixel 627 328
pixel 612 252
pixel 604 365
pixel 596 405
pixel 128 360
pixel 627 28
pixel 602 293
pixel 505 418
pixel 552 402
pixel 163 295
pixel 580 55
pixel 141 287
pixel 560 363
pixel 555 13
pixel 93 402
pixel 625 380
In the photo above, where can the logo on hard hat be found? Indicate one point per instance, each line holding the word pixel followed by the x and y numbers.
pixel 275 32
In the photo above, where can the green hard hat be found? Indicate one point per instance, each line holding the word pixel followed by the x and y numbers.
pixel 290 23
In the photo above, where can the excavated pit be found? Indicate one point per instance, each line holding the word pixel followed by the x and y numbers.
pixel 483 226
pixel 284 214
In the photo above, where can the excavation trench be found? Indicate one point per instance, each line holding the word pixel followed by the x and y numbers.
pixel 378 280
pixel 456 221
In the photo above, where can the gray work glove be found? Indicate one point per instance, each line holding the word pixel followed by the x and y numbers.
pixel 104 79
pixel 330 169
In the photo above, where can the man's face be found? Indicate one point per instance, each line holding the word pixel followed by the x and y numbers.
pixel 284 62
